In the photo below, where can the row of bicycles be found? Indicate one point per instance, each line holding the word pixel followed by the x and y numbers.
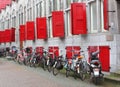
pixel 49 61
pixel 77 65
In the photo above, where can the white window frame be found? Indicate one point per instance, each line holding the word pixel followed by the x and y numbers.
pixel 102 16
pixel 50 34
pixel 68 23
pixel 91 16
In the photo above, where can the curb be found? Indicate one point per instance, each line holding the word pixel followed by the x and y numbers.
pixel 113 79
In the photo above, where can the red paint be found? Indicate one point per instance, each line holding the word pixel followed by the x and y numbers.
pixel 71 50
pixel 7 35
pixel 106 17
pixel 0 36
pixel 39 50
pixel 30 30
pixel 22 32
pixel 78 18
pixel 41 25
pixel 54 51
pixel 13 34
pixel 58 24
pixel 92 49
pixel 105 58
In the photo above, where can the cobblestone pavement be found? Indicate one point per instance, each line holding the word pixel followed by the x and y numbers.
pixel 15 75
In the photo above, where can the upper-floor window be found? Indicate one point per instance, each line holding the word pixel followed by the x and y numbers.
pixel 96 16
pixel 21 18
pixel 50 8
pixel 68 23
pixel 76 0
pixel 68 2
pixel 24 14
pixel 0 24
pixel 55 5
pixel 14 21
pixel 50 27
pixel 93 10
pixel 29 11
pixel 39 9
pixel 61 6
pixel 29 14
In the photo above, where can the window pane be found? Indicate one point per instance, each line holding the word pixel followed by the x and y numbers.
pixel 76 0
pixel 50 27
pixel 68 3
pixel 54 5
pixel 50 6
pixel 61 4
pixel 24 14
pixel 93 17
pixel 68 24
pixel 30 14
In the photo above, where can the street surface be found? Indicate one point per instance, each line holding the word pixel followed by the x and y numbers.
pixel 14 75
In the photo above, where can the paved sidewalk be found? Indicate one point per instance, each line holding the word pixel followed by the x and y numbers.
pixel 15 75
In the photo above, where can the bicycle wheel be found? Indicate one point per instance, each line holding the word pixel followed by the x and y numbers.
pixel 68 70
pixel 55 71
pixel 67 73
pixel 82 73
pixel 44 64
pixel 49 68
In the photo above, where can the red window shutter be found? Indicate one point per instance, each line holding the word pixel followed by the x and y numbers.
pixel 51 51
pixel 104 56
pixel 76 50
pixel 6 35
pixel 0 36
pixel 41 25
pixel 54 51
pixel 8 2
pixel 78 18
pixel 30 30
pixel 39 50
pixel 13 34
pixel 9 35
pixel 92 49
pixel 106 19
pixel 58 24
pixel 69 52
pixel 22 32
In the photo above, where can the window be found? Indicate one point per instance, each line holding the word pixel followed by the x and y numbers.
pixel 29 14
pixel 68 23
pixel 3 23
pixel 24 14
pixel 14 21
pixel 50 27
pixel 102 17
pixel 61 4
pixel 7 23
pixel 0 24
pixel 29 11
pixel 39 10
pixel 50 6
pixel 68 3
pixel 93 17
pixel 97 22
pixel 76 0
pixel 55 5
pixel 20 18
pixel 42 6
